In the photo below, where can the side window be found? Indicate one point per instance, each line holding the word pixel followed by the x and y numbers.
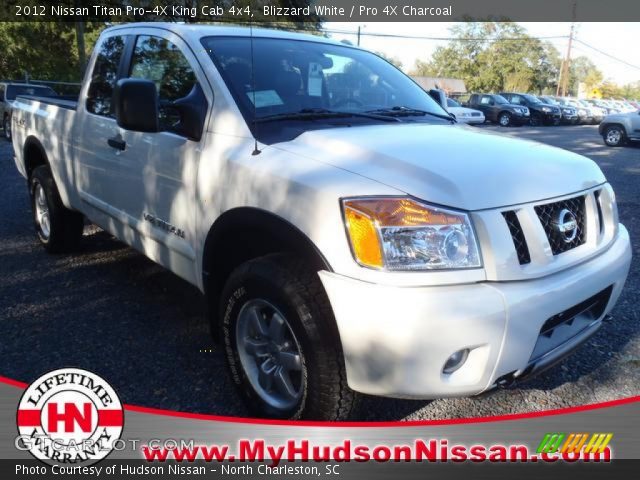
pixel 160 61
pixel 104 76
pixel 485 100
pixel 516 100
pixel 1 93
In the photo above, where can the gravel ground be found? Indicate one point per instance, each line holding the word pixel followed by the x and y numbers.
pixel 112 311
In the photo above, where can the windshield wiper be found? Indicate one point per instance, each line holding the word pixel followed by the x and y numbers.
pixel 317 113
pixel 401 111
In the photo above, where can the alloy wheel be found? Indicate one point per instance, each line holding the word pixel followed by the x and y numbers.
pixel 42 212
pixel 270 354
pixel 614 136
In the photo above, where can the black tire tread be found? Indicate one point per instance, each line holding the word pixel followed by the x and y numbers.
pixel 335 400
pixel 66 225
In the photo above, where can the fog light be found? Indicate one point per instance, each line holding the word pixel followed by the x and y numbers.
pixel 455 361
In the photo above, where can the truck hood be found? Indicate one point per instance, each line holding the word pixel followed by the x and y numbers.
pixel 451 165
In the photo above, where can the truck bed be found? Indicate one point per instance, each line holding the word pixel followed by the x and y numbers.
pixel 69 102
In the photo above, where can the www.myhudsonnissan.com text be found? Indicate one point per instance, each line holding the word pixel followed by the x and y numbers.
pixel 270 458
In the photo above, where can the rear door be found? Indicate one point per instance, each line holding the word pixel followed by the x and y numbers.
pixel 486 105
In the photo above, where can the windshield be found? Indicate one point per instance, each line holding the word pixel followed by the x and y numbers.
pixel 531 98
pixel 14 90
pixel 500 100
pixel 452 103
pixel 550 100
pixel 298 76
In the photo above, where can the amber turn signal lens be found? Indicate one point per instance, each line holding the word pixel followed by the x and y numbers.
pixel 401 212
pixel 364 238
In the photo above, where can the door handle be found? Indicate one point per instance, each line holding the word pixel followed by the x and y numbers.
pixel 117 143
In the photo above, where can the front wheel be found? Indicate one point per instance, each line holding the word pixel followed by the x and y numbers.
pixel 281 341
pixel 6 127
pixel 58 228
pixel 535 120
pixel 614 136
pixel 504 119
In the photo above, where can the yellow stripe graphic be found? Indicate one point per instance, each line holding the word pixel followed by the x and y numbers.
pixel 598 442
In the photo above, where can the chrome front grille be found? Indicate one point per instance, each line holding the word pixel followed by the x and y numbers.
pixel 564 224
pixel 550 216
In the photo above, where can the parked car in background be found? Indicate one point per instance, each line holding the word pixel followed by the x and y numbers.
pixel 613 108
pixel 464 114
pixel 569 114
pixel 585 112
pixel 8 93
pixel 596 113
pixel 498 110
pixel 602 105
pixel 541 113
pixel 619 128
pixel 625 106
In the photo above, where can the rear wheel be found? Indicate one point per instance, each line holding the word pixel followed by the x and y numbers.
pixel 282 345
pixel 58 228
pixel 504 119
pixel 614 136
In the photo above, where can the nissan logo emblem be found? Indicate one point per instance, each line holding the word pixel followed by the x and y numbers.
pixel 567 225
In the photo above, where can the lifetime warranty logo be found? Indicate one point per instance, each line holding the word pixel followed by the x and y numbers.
pixel 69 416
pixel 574 442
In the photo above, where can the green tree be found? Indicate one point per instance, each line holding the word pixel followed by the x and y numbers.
pixel 392 60
pixel 493 56
pixel 43 50
pixel 583 70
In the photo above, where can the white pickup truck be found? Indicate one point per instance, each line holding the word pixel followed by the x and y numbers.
pixel 348 235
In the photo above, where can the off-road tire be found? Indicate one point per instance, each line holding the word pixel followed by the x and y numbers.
pixel 289 284
pixel 65 226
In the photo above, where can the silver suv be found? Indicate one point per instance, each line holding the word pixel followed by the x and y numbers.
pixel 618 128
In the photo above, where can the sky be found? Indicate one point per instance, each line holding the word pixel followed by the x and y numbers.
pixel 622 40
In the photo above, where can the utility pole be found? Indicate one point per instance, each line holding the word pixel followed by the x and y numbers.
pixel 564 71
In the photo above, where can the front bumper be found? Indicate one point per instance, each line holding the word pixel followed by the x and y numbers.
pixel 472 120
pixel 550 117
pixel 396 340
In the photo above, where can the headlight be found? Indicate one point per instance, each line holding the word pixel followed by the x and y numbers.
pixel 402 234
pixel 546 109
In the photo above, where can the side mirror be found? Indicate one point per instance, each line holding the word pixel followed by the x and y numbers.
pixel 136 105
pixel 192 111
pixel 439 96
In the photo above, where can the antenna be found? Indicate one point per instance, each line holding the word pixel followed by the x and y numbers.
pixel 256 151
